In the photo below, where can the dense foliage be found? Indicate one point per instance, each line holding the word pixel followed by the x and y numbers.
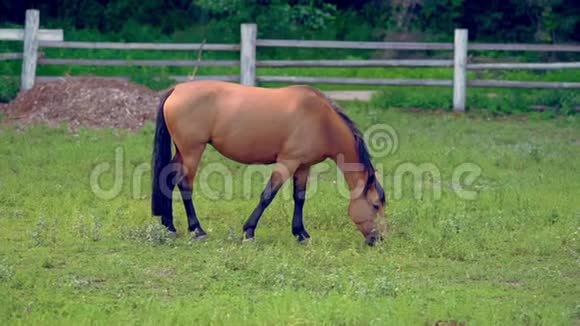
pixel 507 20
pixel 217 21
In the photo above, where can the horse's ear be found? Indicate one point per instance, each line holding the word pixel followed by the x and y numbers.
pixel 370 180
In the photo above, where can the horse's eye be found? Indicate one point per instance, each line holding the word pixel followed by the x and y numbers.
pixel 376 207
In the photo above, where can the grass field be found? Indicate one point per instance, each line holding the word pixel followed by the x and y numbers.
pixel 510 256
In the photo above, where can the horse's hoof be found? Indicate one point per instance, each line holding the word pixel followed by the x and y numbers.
pixel 248 235
pixel 172 234
pixel 303 241
pixel 198 236
pixel 303 237
pixel 248 240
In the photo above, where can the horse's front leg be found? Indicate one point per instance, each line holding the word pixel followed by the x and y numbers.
pixel 282 172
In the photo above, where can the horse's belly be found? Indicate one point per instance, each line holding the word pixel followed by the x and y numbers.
pixel 248 158
pixel 247 150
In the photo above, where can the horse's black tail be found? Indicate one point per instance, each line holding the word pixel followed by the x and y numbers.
pixel 160 201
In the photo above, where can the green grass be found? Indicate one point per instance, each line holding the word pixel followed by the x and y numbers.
pixel 511 256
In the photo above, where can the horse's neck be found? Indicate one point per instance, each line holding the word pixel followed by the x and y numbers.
pixel 353 170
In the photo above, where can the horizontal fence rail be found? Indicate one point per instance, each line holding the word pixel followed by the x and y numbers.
pixel 417 46
pixel 346 81
pixel 8 34
pixel 355 63
pixel 35 38
pixel 355 45
pixel 10 56
pixel 162 63
pixel 413 82
pixel 231 78
pixel 355 81
pixel 140 46
pixel 525 47
pixel 528 66
pixel 521 84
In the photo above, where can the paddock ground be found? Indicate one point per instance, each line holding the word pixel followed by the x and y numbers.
pixel 510 256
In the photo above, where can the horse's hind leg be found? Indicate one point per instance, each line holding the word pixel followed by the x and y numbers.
pixel 300 181
pixel 191 159
pixel 172 173
pixel 282 172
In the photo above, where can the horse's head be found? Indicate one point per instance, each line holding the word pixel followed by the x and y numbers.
pixel 367 211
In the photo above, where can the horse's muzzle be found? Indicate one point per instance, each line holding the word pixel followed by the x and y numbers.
pixel 373 237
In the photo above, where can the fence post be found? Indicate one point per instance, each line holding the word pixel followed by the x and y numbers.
pixel 460 70
pixel 30 54
pixel 248 55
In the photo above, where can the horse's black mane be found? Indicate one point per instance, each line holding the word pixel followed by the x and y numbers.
pixel 363 153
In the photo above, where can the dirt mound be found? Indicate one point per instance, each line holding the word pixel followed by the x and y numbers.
pixel 84 102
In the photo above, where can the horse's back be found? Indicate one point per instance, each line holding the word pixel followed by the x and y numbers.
pixel 247 124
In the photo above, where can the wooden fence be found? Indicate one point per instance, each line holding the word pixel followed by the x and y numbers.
pixel 35 39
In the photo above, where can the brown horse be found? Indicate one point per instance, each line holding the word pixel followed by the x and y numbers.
pixel 294 127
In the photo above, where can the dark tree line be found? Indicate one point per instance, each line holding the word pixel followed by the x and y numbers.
pixel 498 20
